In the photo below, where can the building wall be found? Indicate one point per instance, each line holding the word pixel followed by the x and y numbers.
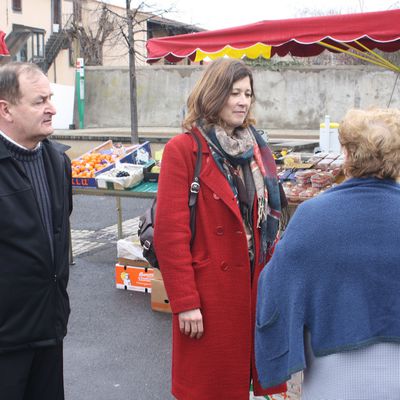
pixel 38 14
pixel 34 13
pixel 290 98
pixel 61 71
pixel 115 50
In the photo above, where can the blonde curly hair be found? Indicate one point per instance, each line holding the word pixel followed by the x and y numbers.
pixel 371 142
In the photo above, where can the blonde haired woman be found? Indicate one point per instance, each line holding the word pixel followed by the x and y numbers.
pixel 329 299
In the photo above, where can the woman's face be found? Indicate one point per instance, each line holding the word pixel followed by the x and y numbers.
pixel 237 106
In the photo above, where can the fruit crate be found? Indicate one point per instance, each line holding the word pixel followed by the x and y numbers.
pixel 103 158
pixel 114 178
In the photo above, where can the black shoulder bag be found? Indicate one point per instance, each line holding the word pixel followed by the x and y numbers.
pixel 148 220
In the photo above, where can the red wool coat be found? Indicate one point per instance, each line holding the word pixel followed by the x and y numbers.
pixel 214 276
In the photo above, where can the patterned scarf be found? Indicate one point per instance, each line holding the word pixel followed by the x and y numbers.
pixel 247 146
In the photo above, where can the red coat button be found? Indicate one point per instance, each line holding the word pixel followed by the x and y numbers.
pixel 224 266
pixel 219 230
pixel 216 197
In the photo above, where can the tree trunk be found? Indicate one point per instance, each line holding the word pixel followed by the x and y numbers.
pixel 132 76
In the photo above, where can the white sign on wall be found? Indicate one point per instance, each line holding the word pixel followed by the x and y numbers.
pixel 63 101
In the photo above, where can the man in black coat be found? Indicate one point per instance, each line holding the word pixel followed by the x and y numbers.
pixel 35 204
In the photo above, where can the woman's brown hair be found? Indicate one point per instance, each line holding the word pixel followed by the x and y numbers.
pixel 213 89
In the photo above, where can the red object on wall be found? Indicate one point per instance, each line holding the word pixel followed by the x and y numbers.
pixel 3 48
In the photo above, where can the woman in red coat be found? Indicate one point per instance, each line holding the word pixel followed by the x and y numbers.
pixel 212 283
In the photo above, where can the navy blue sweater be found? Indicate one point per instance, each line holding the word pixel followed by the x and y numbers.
pixel 336 271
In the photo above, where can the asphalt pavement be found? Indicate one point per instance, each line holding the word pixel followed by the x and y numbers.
pixel 117 348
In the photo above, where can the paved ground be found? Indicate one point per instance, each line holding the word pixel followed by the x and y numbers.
pixel 85 240
pixel 117 348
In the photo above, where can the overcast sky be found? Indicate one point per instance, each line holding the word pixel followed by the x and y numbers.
pixel 218 14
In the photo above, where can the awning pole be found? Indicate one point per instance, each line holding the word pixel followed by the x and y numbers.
pixel 394 87
pixel 376 54
pixel 363 57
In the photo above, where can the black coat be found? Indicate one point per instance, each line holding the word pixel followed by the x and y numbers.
pixel 34 304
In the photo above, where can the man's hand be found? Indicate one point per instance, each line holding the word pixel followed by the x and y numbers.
pixel 191 323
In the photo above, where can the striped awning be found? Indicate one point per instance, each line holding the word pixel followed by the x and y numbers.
pixel 358 34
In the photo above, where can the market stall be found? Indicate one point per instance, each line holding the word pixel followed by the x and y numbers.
pixel 356 34
pixel 112 169
pixel 303 175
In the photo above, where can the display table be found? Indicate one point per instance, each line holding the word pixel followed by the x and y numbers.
pixel 145 190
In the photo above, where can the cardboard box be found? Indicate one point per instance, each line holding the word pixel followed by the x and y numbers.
pixel 134 263
pixel 133 278
pixel 140 154
pixel 159 298
pixel 157 274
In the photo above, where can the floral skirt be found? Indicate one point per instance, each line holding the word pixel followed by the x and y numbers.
pixel 293 392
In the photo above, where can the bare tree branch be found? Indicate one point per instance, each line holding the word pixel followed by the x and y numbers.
pixel 107 28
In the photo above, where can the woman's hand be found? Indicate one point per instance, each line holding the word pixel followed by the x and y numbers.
pixel 191 323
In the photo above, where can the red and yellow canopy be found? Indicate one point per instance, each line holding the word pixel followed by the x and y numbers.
pixel 357 34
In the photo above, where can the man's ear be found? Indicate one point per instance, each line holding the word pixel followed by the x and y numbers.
pixel 5 110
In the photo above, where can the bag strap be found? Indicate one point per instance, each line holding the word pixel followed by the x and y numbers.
pixel 194 187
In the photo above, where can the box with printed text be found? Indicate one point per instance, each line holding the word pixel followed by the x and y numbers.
pixel 133 278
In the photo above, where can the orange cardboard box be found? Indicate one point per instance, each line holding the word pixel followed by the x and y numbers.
pixel 133 278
